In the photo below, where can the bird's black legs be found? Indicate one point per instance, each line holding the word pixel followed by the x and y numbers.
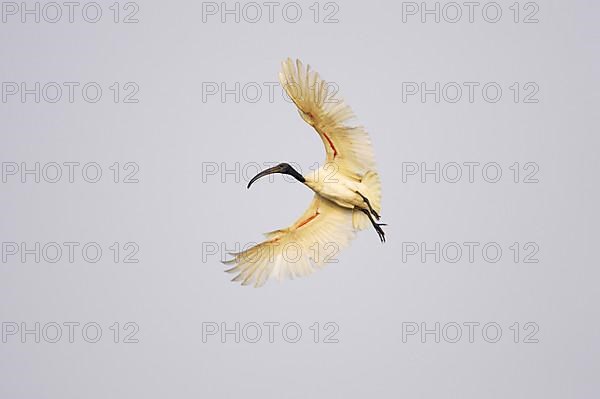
pixel 376 225
pixel 372 212
pixel 369 205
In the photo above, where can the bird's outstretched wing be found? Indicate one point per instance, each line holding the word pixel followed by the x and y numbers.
pixel 311 242
pixel 348 147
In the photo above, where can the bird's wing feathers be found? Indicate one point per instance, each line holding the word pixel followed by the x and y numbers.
pixel 325 228
pixel 348 147
pixel 311 242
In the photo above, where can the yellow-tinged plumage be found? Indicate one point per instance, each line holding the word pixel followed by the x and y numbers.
pixel 343 203
pixel 348 146
pixel 298 250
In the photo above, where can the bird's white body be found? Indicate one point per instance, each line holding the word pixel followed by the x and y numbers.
pixel 336 187
pixel 347 189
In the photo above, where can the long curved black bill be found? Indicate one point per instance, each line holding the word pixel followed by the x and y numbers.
pixel 266 172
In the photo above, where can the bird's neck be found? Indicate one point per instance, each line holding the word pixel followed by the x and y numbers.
pixel 311 181
pixel 296 175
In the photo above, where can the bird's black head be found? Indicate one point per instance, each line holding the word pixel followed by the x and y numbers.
pixel 284 168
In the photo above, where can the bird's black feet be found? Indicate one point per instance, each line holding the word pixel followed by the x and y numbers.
pixel 376 225
pixel 380 231
pixel 369 205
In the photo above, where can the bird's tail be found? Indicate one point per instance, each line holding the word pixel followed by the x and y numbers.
pixel 372 190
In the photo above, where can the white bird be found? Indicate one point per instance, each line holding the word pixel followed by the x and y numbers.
pixel 345 201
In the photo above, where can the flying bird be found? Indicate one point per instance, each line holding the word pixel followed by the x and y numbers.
pixel 345 201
